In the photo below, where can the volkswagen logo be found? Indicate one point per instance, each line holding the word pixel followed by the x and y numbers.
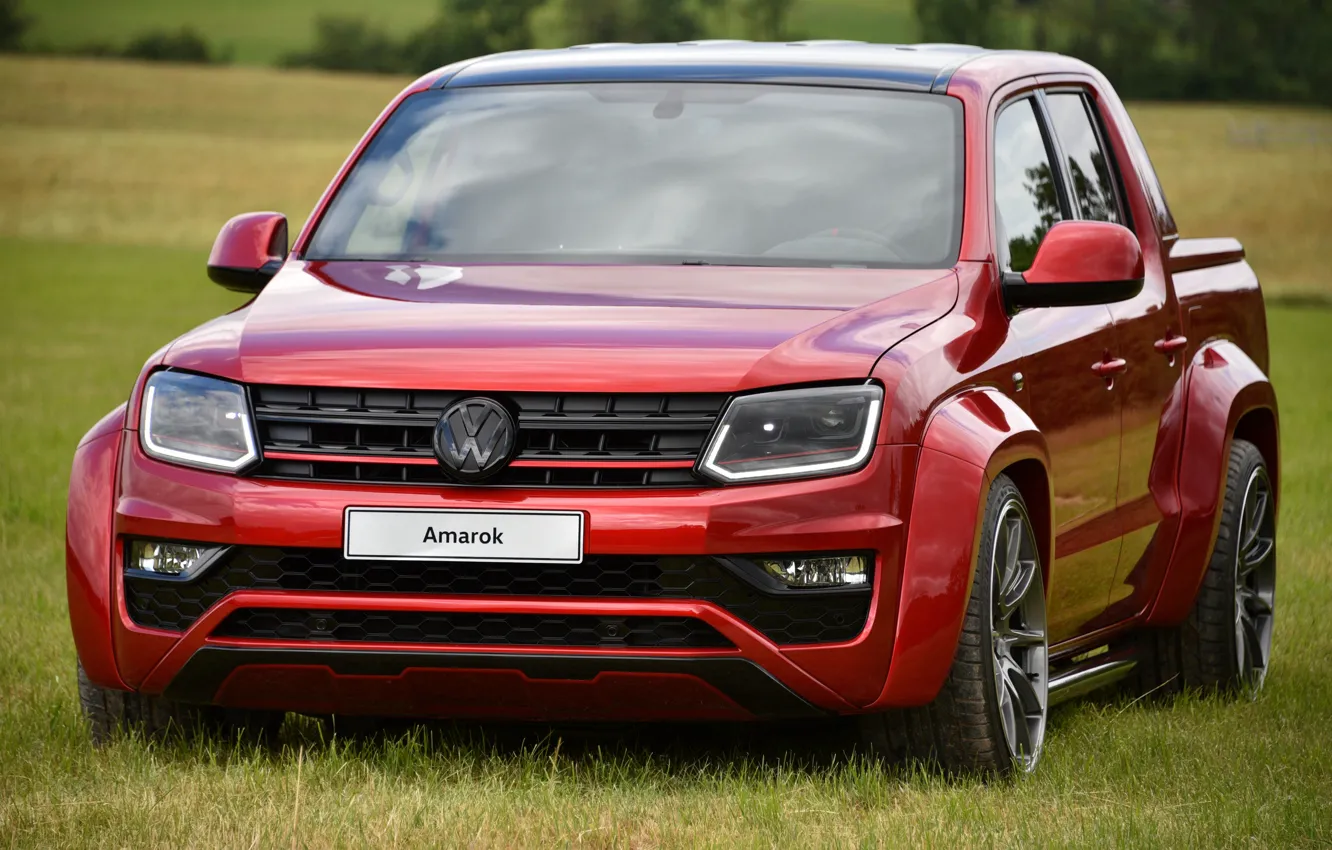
pixel 475 439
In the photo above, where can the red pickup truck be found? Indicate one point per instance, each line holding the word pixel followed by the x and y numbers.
pixel 713 381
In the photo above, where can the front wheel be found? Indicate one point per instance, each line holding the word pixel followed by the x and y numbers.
pixel 111 713
pixel 990 715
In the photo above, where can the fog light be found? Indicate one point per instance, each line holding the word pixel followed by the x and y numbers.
pixel 833 571
pixel 169 559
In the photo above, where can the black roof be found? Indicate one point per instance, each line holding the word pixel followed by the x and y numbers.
pixel 911 67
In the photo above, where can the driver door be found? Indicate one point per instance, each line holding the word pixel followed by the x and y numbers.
pixel 1077 410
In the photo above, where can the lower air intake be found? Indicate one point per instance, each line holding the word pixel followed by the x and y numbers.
pixel 468 628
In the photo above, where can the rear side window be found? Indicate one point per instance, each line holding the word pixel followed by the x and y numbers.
pixel 1026 196
pixel 1139 162
pixel 1089 174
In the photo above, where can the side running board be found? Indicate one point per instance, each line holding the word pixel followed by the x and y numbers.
pixel 1090 674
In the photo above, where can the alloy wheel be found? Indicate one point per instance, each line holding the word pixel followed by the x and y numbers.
pixel 1018 635
pixel 1255 581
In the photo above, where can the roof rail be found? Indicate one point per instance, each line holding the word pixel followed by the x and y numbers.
pixel 824 42
pixel 943 45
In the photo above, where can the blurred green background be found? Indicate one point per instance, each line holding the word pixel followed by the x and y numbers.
pixel 1174 49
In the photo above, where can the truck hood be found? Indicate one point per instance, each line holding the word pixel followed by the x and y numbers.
pixel 566 328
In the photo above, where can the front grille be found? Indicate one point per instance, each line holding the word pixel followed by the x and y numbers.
pixel 791 617
pixel 514 476
pixel 468 628
pixel 385 436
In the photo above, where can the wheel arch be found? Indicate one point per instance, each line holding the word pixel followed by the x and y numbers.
pixel 1228 397
pixel 89 545
pixel 970 439
pixel 1259 426
pixel 1032 478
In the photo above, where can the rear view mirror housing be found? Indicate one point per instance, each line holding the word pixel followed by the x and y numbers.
pixel 248 251
pixel 1079 263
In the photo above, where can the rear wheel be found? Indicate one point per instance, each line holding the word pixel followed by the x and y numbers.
pixel 109 713
pixel 1226 643
pixel 990 715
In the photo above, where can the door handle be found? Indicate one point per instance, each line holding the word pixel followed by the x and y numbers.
pixel 1110 367
pixel 1171 344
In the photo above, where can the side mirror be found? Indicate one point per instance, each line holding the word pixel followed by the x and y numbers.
pixel 248 251
pixel 1077 263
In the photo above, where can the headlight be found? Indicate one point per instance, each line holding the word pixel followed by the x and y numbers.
pixel 794 434
pixel 197 421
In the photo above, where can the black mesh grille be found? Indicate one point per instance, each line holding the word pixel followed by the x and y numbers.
pixel 468 628
pixel 785 618
pixel 390 426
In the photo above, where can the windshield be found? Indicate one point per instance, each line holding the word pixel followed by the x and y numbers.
pixel 670 173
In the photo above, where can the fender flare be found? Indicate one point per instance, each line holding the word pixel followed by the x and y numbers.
pixel 970 439
pixel 89 548
pixel 1224 386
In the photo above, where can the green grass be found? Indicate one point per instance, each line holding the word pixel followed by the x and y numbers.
pixel 257 31
pixel 109 197
pixel 260 32
pixel 76 321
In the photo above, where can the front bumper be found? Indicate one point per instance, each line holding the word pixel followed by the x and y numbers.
pixel 752 676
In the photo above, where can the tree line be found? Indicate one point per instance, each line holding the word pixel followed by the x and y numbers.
pixel 462 29
pixel 1254 50
pixel 1257 50
pixel 184 44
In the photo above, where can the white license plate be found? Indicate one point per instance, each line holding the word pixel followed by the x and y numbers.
pixel 534 537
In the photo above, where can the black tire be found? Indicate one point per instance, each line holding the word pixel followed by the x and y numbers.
pixel 1215 649
pixel 963 730
pixel 111 713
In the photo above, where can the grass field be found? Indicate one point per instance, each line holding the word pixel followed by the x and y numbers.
pixel 109 197
pixel 260 32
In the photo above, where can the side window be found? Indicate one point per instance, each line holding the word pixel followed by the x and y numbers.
pixel 1025 193
pixel 1141 163
pixel 1088 168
